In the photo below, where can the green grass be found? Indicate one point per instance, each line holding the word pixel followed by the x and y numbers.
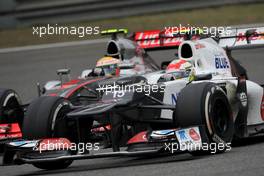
pixel 221 16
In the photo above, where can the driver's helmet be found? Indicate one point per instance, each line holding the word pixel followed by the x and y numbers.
pixel 109 65
pixel 179 65
pixel 179 68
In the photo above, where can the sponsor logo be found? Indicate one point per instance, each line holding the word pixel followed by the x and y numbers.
pixel 255 36
pixel 174 98
pixel 243 98
pixel 194 135
pixel 218 139
pixel 182 135
pixel 153 39
pixel 221 62
pixel 189 139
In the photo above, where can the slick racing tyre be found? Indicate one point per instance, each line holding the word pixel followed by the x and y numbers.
pixel 206 104
pixel 10 107
pixel 53 165
pixel 45 118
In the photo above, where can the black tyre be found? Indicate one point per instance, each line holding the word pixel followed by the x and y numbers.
pixel 206 104
pixel 45 118
pixel 10 107
pixel 53 165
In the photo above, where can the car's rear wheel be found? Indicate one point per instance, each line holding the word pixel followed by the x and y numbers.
pixel 45 118
pixel 206 104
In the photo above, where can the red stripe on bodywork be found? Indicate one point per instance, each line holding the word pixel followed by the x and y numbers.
pixel 79 86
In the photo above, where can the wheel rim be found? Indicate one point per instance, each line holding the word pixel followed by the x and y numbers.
pixel 220 115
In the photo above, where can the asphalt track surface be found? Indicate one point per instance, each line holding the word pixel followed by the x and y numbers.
pixel 21 70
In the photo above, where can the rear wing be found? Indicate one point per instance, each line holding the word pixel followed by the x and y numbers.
pixel 235 38
pixel 163 39
pixel 242 38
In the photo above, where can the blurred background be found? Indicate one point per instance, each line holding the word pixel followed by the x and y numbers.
pixel 18 16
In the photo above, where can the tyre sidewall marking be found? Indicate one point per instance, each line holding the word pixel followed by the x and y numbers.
pixel 207 113
pixel 215 137
pixel 9 96
pixel 57 110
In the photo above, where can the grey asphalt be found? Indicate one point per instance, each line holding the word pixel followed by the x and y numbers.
pixel 21 70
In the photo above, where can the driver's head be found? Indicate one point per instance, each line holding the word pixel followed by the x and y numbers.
pixel 109 65
pixel 179 65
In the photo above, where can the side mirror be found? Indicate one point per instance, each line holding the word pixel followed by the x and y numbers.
pixel 62 72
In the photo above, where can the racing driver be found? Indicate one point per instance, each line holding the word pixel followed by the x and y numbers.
pixel 106 66
pixel 177 69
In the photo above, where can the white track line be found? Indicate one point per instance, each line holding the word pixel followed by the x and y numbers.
pixel 52 45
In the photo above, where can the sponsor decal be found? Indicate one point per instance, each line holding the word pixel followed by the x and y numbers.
pixel 174 98
pixel 217 139
pixel 255 36
pixel 148 39
pixel 221 62
pixel 243 98
pixel 194 135
pixel 189 139
pixel 182 135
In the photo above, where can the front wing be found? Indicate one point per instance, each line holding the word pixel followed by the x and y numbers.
pixel 142 144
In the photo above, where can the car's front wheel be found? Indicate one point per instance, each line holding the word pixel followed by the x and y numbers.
pixel 46 119
pixel 206 104
pixel 10 107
